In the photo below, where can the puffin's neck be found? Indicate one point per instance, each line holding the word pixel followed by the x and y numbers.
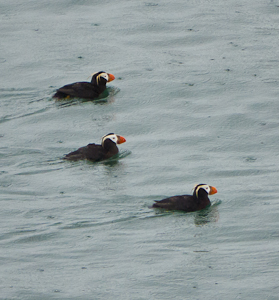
pixel 110 146
pixel 202 197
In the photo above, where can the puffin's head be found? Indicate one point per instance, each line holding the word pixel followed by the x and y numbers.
pixel 117 139
pixel 210 190
pixel 101 78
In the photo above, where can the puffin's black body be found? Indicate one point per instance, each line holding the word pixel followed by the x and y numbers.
pixel 87 90
pixel 94 152
pixel 189 203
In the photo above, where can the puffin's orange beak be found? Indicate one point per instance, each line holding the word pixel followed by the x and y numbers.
pixel 111 77
pixel 120 139
pixel 213 190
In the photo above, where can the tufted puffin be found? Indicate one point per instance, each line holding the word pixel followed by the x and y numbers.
pixel 86 90
pixel 95 152
pixel 189 203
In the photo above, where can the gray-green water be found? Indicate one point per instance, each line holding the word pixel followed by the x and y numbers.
pixel 196 97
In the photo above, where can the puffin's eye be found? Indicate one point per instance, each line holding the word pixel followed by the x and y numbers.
pixel 105 76
pixel 206 188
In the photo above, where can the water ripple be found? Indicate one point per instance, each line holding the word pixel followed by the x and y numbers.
pixel 12 117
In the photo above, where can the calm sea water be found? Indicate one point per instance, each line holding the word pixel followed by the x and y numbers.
pixel 196 97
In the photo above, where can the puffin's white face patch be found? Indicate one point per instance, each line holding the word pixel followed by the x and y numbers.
pixel 105 76
pixel 113 137
pixel 204 186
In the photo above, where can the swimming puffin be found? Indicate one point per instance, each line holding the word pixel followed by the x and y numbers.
pixel 95 152
pixel 189 203
pixel 86 90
